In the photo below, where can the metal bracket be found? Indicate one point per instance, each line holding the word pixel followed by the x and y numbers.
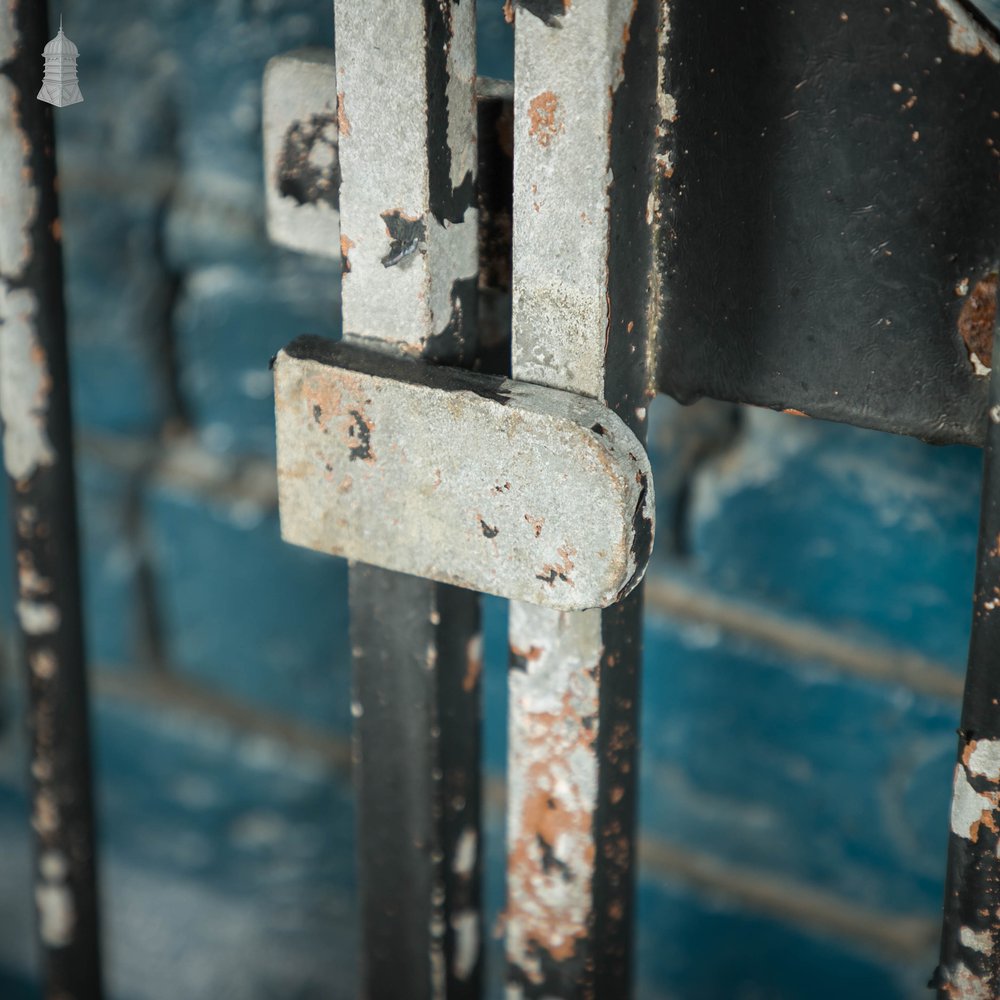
pixel 505 487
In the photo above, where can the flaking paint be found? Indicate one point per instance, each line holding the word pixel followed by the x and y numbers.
pixel 24 385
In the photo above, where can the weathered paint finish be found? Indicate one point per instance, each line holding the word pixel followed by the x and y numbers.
pixel 38 457
pixel 301 159
pixel 970 941
pixel 410 155
pixel 374 464
pixel 583 314
pixel 965 34
pixel 553 705
pixel 407 149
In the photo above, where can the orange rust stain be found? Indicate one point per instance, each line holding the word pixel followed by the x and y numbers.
pixel 968 751
pixel 549 818
pixel 995 551
pixel 543 123
pixel 559 570
pixel 343 124
pixel 346 246
pixel 508 11
pixel 975 321
pixel 795 413
pixel 627 30
pixel 533 653
pixel 56 228
pixel 535 523
pixel 473 668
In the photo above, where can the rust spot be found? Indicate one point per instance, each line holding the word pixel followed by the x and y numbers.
pixel 508 11
pixel 535 523
pixel 795 413
pixel 473 668
pixel 543 125
pixel 346 246
pixel 976 320
pixel 343 124
pixel 553 843
pixel 533 653
pixel 560 570
pixel 56 228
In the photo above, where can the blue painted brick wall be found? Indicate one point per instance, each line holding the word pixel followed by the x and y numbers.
pixel 807 617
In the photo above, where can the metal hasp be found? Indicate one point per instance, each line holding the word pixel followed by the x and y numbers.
pixel 505 487
pixel 970 942
pixel 830 183
pixel 406 113
pixel 585 306
pixel 38 457
pixel 301 159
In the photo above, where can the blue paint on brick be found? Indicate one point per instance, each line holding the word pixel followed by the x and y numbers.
pixel 494 41
pixel 691 948
pixel 230 322
pixel 227 863
pixel 109 561
pixel 870 534
pixel 117 294
pixel 245 613
pixel 795 769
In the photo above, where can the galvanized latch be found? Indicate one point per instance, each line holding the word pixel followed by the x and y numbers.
pixel 506 487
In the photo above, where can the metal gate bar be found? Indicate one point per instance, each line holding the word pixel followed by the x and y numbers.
pixel 585 121
pixel 406 110
pixel 38 456
pixel 970 940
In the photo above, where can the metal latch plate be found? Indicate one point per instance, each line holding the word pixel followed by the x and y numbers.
pixel 513 489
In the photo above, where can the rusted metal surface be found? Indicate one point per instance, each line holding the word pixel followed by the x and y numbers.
pixel 374 464
pixel 406 114
pixel 832 181
pixel 38 456
pixel 970 942
pixel 301 160
pixel 584 315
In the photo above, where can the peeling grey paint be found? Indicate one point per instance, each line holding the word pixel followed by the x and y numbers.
pixel 968 807
pixel 964 34
pixel 465 924
pixel 57 916
pixel 38 617
pixel 981 941
pixel 552 782
pixel 983 760
pixel 397 309
pixel 18 196
pixel 9 37
pixel 24 385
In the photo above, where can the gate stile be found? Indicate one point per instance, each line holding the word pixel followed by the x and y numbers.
pixel 38 459
pixel 586 115
pixel 406 114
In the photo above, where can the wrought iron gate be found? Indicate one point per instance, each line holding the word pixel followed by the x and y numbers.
pixel 790 207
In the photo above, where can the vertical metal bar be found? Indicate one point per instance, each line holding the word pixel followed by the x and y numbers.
pixel 970 942
pixel 38 456
pixel 406 109
pixel 583 319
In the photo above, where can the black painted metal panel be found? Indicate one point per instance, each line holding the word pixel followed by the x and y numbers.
pixel 833 177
